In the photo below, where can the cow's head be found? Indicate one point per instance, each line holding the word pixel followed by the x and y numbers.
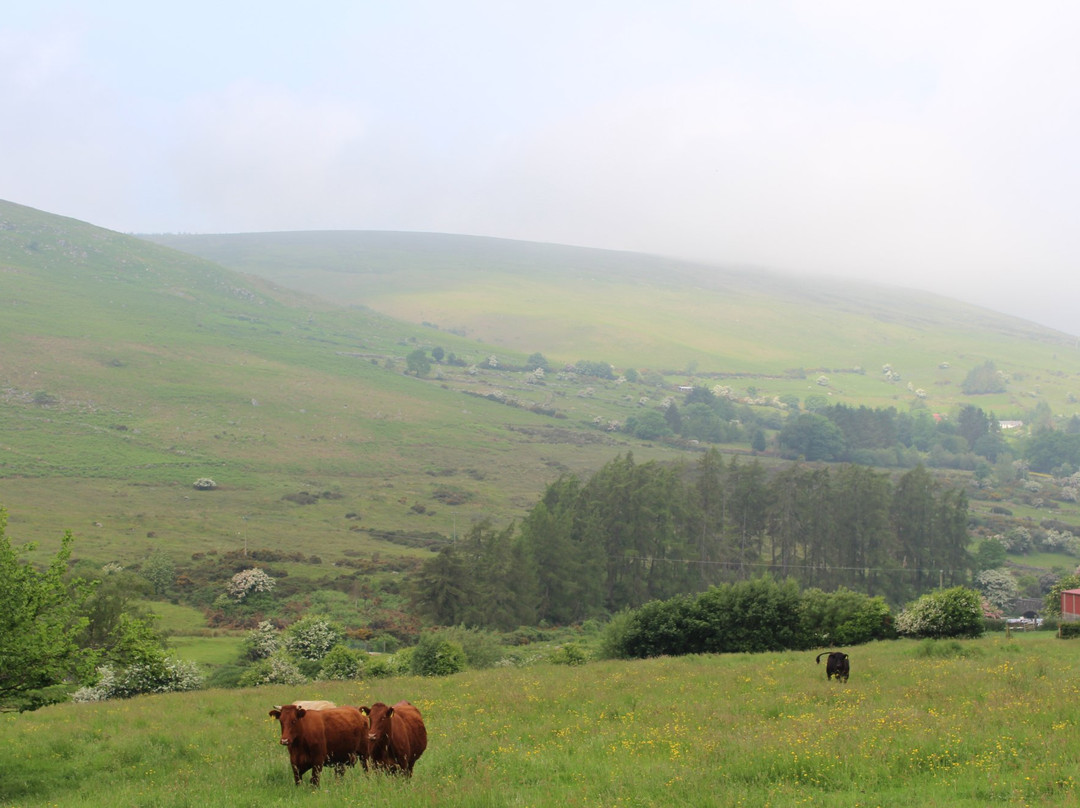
pixel 379 716
pixel 289 715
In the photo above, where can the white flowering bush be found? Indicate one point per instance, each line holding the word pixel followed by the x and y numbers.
pixel 204 484
pixel 166 675
pixel 262 641
pixel 248 581
pixel 1061 541
pixel 312 637
pixel 278 669
pixel 955 612
pixel 998 586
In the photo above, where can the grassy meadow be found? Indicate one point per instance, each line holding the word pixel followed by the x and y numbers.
pixel 949 723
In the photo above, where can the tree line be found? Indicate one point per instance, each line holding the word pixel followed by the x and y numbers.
pixel 637 532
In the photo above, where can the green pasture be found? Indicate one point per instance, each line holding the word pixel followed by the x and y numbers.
pixel 948 723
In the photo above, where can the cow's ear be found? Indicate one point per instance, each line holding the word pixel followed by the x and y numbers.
pixel 275 713
pixel 365 710
pixel 300 712
pixel 389 711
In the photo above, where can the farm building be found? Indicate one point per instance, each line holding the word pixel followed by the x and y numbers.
pixel 1070 604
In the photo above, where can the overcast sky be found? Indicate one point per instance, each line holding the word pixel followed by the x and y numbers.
pixel 934 145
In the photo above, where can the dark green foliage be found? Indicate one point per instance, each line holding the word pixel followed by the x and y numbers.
pixel 436 656
pixel 648 425
pixel 1069 631
pixel 485 579
pixel 1052 601
pixel 600 370
pixel 844 617
pixel 636 533
pixel 813 437
pixel 535 361
pixel 341 662
pixel 1050 450
pixel 989 555
pixel 982 379
pixel 747 616
pixel 418 363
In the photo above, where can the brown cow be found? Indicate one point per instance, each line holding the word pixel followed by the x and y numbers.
pixel 396 736
pixel 336 736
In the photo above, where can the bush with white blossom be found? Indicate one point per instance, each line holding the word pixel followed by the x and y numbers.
pixel 955 612
pixel 312 637
pixel 249 581
pixel 166 675
pixel 262 641
pixel 278 669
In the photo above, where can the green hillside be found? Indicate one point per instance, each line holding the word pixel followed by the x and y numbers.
pixel 130 370
pixel 690 320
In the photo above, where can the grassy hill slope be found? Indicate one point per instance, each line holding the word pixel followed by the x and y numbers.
pixel 645 311
pixel 130 370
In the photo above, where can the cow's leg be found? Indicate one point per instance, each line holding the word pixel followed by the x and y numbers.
pixel 316 770
pixel 297 774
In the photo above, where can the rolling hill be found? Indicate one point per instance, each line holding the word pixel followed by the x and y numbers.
pixel 275 365
pixel 684 319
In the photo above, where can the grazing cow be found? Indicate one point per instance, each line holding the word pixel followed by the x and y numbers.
pixel 335 736
pixel 396 736
pixel 836 665
pixel 314 705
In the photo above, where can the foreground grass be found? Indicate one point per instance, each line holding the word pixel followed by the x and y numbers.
pixel 981 722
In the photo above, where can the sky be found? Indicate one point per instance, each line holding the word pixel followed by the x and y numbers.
pixel 931 145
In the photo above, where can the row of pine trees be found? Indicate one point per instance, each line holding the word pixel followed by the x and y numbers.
pixel 637 532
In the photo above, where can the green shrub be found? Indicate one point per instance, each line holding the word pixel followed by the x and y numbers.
pixel 1069 631
pixel 341 663
pixel 613 636
pixel 482 648
pixel 380 667
pixel 435 656
pixel 569 654
pixel 843 617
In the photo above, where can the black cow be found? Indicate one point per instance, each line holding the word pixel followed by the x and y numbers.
pixel 836 665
